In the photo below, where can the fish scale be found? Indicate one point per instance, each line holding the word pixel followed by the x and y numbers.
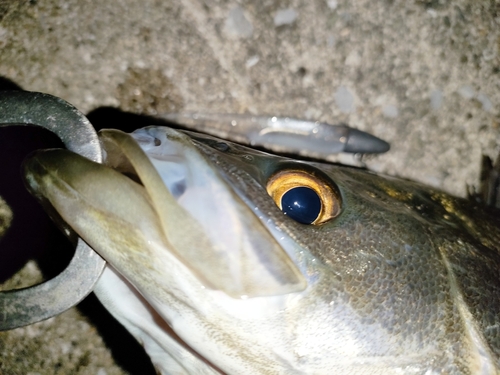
pixel 403 280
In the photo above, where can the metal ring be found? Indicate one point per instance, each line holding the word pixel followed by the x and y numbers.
pixel 30 305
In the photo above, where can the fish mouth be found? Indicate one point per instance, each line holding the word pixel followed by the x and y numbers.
pixel 159 200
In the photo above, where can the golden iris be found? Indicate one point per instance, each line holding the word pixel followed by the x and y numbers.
pixel 285 181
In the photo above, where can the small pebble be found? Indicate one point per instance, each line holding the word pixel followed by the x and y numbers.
pixel 466 92
pixel 485 101
pixel 344 100
pixel 252 61
pixel 330 40
pixel 489 54
pixel 285 17
pixel 436 99
pixel 353 59
pixel 237 25
pixel 390 111
pixel 332 4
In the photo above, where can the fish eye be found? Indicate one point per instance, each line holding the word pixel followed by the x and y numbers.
pixel 304 197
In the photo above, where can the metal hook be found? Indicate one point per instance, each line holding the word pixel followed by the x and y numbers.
pixel 33 304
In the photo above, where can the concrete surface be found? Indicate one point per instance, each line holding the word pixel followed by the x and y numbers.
pixel 423 75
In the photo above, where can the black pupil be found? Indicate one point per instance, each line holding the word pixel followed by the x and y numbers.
pixel 302 204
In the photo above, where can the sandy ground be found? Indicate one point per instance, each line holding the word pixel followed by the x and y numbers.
pixel 424 75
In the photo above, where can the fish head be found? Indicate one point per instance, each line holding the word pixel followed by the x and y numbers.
pixel 213 270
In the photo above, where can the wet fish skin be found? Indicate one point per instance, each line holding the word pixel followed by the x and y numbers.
pixel 404 256
pixel 404 280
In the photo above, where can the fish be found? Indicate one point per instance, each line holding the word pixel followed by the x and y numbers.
pixel 223 259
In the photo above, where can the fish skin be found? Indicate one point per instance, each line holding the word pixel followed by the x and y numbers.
pixel 391 235
pixel 404 280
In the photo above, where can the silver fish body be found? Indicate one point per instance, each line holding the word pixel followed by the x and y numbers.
pixel 212 277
